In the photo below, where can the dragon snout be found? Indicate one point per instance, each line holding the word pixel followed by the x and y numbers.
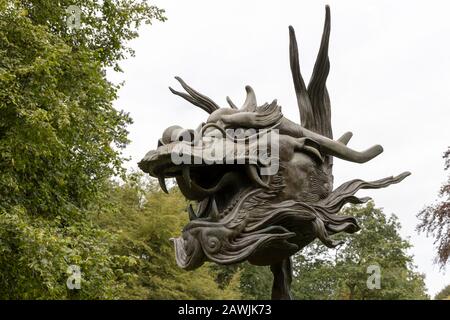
pixel 188 251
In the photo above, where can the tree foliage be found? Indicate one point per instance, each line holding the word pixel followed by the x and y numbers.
pixel 343 273
pixel 145 219
pixel 106 25
pixel 444 294
pixel 435 219
pixel 60 142
pixel 321 273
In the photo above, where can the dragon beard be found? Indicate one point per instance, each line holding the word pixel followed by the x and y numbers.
pixel 262 230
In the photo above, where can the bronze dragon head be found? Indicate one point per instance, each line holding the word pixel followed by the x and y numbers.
pixel 262 185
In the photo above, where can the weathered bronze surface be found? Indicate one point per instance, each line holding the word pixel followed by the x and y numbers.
pixel 242 213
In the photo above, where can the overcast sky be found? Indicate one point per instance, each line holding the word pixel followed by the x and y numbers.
pixel 389 84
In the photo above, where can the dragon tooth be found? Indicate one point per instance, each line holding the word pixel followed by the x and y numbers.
pixel 214 214
pixel 202 207
pixel 192 215
pixel 162 184
pixel 187 175
pixel 252 172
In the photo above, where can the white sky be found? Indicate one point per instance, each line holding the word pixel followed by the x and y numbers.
pixel 389 84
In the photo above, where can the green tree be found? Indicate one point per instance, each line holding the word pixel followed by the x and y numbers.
pixel 145 219
pixel 444 294
pixel 256 282
pixel 321 273
pixel 315 276
pixel 343 273
pixel 435 219
pixel 60 142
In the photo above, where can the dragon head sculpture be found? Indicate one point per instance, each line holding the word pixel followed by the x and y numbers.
pixel 262 185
